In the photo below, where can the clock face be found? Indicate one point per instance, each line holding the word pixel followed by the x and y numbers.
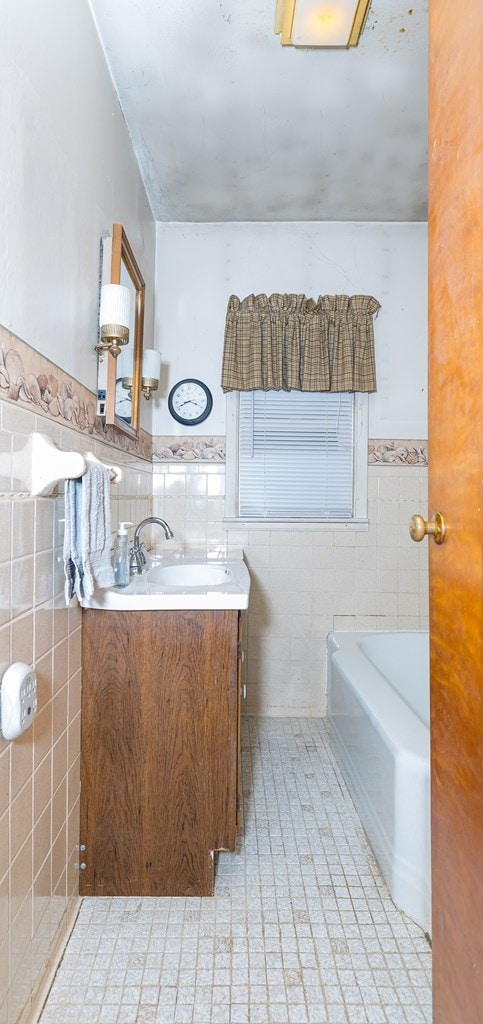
pixel 123 402
pixel 190 401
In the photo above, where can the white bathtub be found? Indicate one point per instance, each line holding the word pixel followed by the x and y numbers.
pixel 378 689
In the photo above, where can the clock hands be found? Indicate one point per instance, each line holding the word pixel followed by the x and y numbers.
pixel 190 401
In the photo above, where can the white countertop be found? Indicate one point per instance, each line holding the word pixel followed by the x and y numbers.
pixel 143 595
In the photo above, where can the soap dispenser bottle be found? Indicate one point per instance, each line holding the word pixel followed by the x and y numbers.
pixel 121 556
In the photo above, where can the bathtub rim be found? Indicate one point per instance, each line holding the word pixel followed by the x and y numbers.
pixel 407 740
pixel 407 729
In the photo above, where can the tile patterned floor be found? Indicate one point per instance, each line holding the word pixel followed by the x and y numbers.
pixel 301 928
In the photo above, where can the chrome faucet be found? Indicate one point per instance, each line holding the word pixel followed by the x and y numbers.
pixel 137 559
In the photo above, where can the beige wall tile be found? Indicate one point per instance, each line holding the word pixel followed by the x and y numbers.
pixel 23 528
pixel 59 761
pixel 42 730
pixel 42 838
pixel 43 629
pixel 61 665
pixel 4 980
pixel 4 847
pixel 73 782
pixel 43 580
pixel 59 862
pixel 5 530
pixel 22 639
pixel 43 669
pixel 61 619
pixel 5 461
pixel 21 762
pixel 4 908
pixel 20 877
pixel 22 585
pixel 21 815
pixel 59 716
pixel 44 524
pixel 5 637
pixel 41 916
pixel 74 733
pixel 42 785
pixel 5 796
pixel 59 816
pixel 75 690
pixel 75 649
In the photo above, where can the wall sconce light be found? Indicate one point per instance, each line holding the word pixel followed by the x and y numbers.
pixel 114 319
pixel 336 23
pixel 150 377
pixel 151 372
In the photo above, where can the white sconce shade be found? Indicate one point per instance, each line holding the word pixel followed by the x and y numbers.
pixel 337 23
pixel 151 372
pixel 115 305
pixel 151 363
pixel 114 319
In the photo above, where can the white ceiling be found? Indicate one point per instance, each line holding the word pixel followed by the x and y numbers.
pixel 229 125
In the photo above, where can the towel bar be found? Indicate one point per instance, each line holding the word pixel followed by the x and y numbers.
pixel 50 466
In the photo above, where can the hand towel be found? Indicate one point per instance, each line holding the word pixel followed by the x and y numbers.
pixel 87 538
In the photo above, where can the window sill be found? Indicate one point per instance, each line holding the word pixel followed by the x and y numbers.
pixel 312 525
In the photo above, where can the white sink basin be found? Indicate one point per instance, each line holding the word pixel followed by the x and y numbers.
pixel 187 574
pixel 180 584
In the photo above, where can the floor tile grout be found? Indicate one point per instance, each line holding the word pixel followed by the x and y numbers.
pixel 301 927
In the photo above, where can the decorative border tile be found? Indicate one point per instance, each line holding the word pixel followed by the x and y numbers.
pixel 204 449
pixel 31 380
pixel 189 449
pixel 398 453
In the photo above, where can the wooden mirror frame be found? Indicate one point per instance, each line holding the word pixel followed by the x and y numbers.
pixel 123 254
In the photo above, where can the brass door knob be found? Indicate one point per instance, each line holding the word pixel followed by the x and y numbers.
pixel 419 527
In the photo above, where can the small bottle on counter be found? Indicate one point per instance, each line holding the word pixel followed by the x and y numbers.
pixel 121 556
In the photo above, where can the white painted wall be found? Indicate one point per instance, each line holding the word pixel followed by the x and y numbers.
pixel 198 266
pixel 68 173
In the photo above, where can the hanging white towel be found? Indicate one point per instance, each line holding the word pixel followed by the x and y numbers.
pixel 87 537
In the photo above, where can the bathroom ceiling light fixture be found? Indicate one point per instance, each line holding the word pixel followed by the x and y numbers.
pixel 337 23
pixel 151 372
pixel 114 319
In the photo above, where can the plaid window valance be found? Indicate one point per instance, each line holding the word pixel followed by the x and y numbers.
pixel 290 342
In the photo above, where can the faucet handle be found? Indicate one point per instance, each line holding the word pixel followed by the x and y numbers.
pixel 137 559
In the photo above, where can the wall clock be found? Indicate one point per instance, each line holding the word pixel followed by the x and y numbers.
pixel 190 401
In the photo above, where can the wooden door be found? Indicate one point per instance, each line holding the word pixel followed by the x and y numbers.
pixel 455 451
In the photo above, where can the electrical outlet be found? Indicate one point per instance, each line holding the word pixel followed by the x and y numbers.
pixel 18 700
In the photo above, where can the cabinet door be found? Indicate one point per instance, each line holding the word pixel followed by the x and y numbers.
pixel 158 764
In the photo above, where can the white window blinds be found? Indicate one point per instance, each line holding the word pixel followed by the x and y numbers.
pixel 296 455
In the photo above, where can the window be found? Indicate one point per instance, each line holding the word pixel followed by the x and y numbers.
pixel 296 457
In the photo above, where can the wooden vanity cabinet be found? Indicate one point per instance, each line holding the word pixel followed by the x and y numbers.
pixel 159 750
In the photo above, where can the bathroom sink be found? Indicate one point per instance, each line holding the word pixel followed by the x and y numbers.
pixel 187 574
pixel 180 583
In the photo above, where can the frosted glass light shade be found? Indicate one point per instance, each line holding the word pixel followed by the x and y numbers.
pixel 321 23
pixel 151 363
pixel 115 305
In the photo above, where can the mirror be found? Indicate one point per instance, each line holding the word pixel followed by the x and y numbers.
pixel 122 401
